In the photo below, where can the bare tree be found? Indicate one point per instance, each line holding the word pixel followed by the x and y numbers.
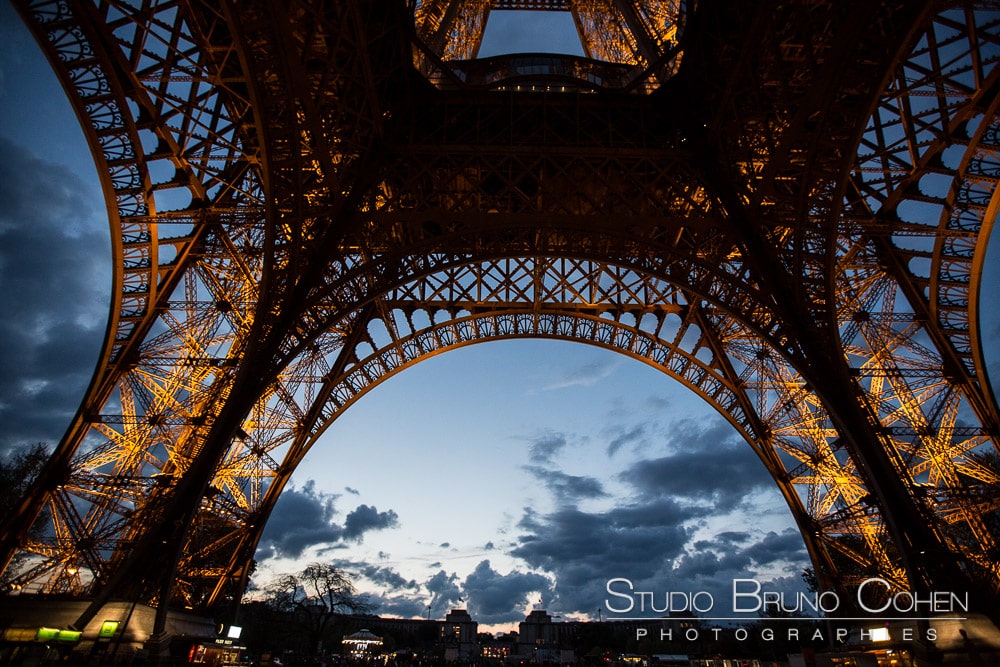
pixel 18 470
pixel 313 598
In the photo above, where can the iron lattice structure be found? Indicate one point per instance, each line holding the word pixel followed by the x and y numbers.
pixel 783 205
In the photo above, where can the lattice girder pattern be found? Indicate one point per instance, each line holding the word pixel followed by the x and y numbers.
pixel 338 219
pixel 632 33
pixel 626 44
pixel 166 127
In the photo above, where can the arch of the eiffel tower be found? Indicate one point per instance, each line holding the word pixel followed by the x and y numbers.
pixel 783 205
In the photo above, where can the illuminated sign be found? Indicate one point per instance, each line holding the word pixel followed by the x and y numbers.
pixel 108 629
pixel 54 634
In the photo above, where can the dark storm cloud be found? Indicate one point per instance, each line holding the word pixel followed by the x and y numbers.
pixel 304 518
pixel 583 549
pixel 567 488
pixel 705 562
pixel 399 606
pixel 707 471
pixel 444 591
pixel 778 547
pixel 55 282
pixel 366 518
pixel 712 465
pixel 301 518
pixel 713 564
pixel 386 576
pixel 490 596
pixel 728 537
pixel 403 597
pixel 501 598
pixel 716 570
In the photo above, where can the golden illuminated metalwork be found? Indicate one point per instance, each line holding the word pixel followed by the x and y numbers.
pixel 783 205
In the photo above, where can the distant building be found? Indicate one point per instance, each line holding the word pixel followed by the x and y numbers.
pixel 536 631
pixel 459 635
pixel 541 639
pixel 498 647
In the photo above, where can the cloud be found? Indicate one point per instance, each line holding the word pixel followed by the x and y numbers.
pixel 567 488
pixel 400 597
pixel 573 558
pixel 387 576
pixel 543 448
pixel 490 596
pixel 364 519
pixel 656 538
pixel 623 438
pixel 444 591
pixel 304 518
pixel 657 403
pixel 583 550
pixel 709 464
pixel 399 606
pixel 713 564
pixel 502 598
pixel 585 375
pixel 728 537
pixel 55 277
pixel 300 519
pixel 778 547
pixel 706 562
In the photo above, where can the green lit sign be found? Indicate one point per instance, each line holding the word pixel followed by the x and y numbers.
pixel 54 634
pixel 108 629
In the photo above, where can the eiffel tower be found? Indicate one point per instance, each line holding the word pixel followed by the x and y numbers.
pixel 783 205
